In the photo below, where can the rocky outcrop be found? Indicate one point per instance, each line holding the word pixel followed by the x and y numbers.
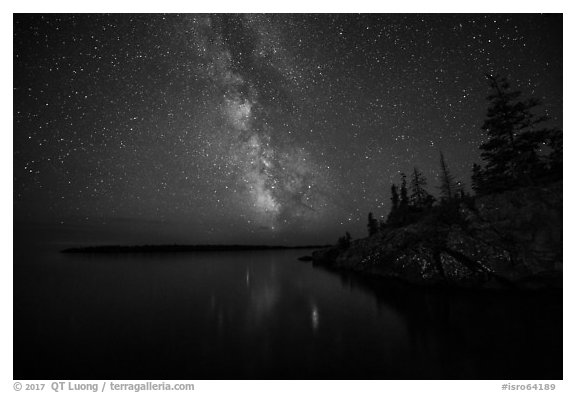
pixel 512 239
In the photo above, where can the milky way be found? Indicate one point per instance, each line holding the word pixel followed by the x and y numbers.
pixel 281 179
pixel 253 128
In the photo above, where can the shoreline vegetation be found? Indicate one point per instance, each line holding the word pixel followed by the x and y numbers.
pixel 507 234
pixel 509 240
pixel 113 249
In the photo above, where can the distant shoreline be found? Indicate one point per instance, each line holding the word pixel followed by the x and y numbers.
pixel 180 248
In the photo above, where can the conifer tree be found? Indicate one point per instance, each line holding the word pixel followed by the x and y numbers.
pixel 382 224
pixel 403 192
pixel 372 224
pixel 394 198
pixel 395 208
pixel 511 152
pixel 418 193
pixel 459 190
pixel 555 158
pixel 344 241
pixel 477 179
pixel 447 184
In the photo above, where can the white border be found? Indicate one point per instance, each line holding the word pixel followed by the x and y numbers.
pixel 436 6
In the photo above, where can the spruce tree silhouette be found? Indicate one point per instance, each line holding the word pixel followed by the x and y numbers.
pixel 344 241
pixel 404 201
pixel 394 198
pixel 477 179
pixel 447 183
pixel 512 151
pixel 372 224
pixel 394 210
pixel 555 158
pixel 418 194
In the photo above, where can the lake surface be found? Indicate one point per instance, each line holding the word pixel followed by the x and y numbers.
pixel 264 315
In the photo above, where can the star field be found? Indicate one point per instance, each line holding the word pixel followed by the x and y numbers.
pixel 253 128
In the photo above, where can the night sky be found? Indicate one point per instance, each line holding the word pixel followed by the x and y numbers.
pixel 262 129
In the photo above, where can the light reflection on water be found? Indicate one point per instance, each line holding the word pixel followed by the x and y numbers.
pixel 315 317
pixel 258 315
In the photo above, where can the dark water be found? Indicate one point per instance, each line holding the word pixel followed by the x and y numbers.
pixel 264 315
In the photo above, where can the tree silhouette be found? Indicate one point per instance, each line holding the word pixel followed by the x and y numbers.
pixel 344 241
pixel 404 202
pixel 555 158
pixel 382 224
pixel 447 184
pixel 372 225
pixel 511 152
pixel 429 201
pixel 394 198
pixel 407 209
pixel 394 210
pixel 418 194
pixel 477 179
pixel 459 190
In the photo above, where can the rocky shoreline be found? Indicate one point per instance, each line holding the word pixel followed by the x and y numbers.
pixel 508 240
